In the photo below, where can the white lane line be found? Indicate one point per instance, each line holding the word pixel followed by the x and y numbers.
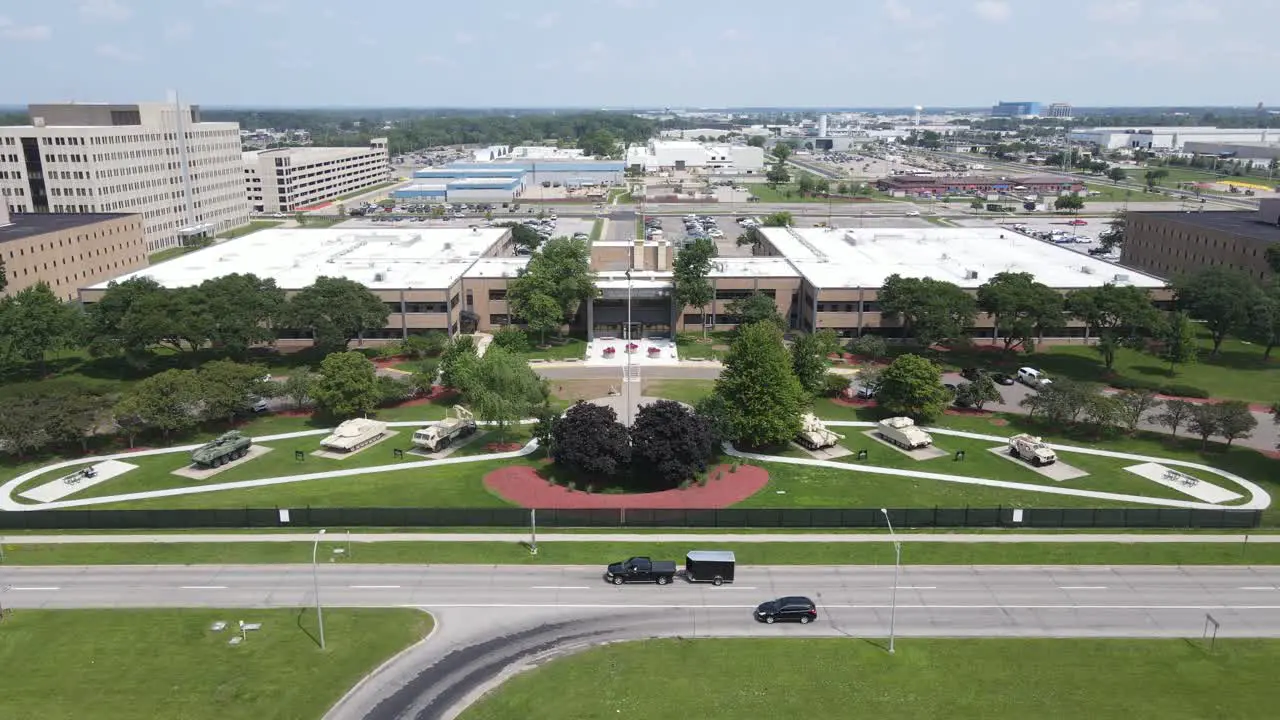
pixel 1082 587
pixel 886 606
pixel 1260 587
pixel 561 587
pixel 374 587
pixel 36 589
pixel 917 587
pixel 722 588
pixel 203 587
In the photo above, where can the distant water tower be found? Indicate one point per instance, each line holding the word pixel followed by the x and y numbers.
pixel 919 110
pixel 822 125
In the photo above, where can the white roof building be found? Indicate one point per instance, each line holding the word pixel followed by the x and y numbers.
pixel 687 154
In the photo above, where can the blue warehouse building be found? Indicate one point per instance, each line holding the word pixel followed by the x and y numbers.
pixel 1016 109
pixel 507 181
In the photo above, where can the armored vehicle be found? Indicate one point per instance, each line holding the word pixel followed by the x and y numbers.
pixel 814 435
pixel 224 448
pixel 902 431
pixel 436 437
pixel 1031 449
pixel 354 434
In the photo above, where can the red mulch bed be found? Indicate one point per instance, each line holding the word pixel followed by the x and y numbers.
pixel 521 485
pixel 853 403
pixel 967 412
pixel 998 422
pixel 437 394
pixel 495 447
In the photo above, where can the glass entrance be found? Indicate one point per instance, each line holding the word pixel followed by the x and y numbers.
pixel 633 330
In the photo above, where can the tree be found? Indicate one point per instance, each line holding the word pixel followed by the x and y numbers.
pixel 128 319
pixel 1022 308
pixel 930 310
pixel 1069 202
pixel 1102 410
pixel 822 186
pixel 561 273
pixel 1153 177
pixel 599 142
pixel 842 188
pixel 34 322
pixel 511 338
pixel 756 308
pixel 73 415
pixel 22 424
pixel 227 388
pixel 809 363
pixel 691 286
pixel 782 151
pixel 1219 297
pixel 501 388
pixel 1176 414
pixel 1118 316
pixel 169 402
pixel 1062 402
pixel 804 184
pixel 1235 420
pixel 777 175
pixel 1134 405
pixel 871 347
pixel 763 399
pixel 457 360
pixel 431 344
pixel 1117 175
pixel 1272 255
pixel 912 386
pixel 1264 318
pixel 297 386
pixel 753 141
pixel 670 444
pixel 589 440
pixel 782 218
pixel 239 311
pixel 1179 343
pixel 523 236
pixel 347 386
pixel 1114 236
pixel 335 310
pixel 1203 420
pixel 979 392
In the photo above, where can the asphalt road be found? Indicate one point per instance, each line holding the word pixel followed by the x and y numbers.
pixel 493 620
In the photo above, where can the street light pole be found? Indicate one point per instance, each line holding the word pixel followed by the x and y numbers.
pixel 315 582
pixel 626 379
pixel 897 563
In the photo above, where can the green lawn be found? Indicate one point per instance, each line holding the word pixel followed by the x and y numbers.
pixel 592 553
pixel 569 348
pixel 128 664
pixel 693 346
pixel 1113 193
pixel 688 392
pixel 156 258
pixel 596 228
pixel 991 679
pixel 790 193
pixel 365 191
pixel 252 227
pixel 321 221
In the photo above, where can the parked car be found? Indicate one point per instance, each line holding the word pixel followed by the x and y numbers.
pixel 793 608
pixel 1032 377
pixel 1099 251
pixel 1002 379
pixel 641 569
pixel 1077 222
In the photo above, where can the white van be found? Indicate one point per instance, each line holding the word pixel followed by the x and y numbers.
pixel 1032 377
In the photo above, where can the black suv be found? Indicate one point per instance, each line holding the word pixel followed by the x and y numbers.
pixel 797 609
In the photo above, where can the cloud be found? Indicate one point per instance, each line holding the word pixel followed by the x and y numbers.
pixel 110 10
pixel 596 47
pixel 177 31
pixel 1197 11
pixel 9 30
pixel 634 4
pixel 731 34
pixel 435 60
pixel 993 10
pixel 117 53
pixel 463 38
pixel 1115 11
pixel 897 11
pixel 548 20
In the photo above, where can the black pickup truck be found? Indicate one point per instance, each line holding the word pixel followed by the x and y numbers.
pixel 641 569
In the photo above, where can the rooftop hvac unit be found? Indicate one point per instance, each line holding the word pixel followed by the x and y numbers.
pixel 448 246
pixel 970 274
pixel 1121 277
pixel 379 277
pixel 1086 270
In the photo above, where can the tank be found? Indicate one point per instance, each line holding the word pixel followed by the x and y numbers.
pixel 354 434
pixel 224 448
pixel 435 437
pixel 814 435
pixel 1032 449
pixel 902 431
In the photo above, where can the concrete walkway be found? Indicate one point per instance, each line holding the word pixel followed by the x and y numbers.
pixel 992 536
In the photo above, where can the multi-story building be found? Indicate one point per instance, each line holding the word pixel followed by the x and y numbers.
pixel 295 178
pixel 68 251
pixel 184 177
pixel 1169 244
pixel 1016 109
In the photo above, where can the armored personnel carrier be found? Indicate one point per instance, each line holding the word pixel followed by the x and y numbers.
pixel 224 448
pixel 902 431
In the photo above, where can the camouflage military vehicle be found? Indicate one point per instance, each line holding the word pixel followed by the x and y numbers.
pixel 225 448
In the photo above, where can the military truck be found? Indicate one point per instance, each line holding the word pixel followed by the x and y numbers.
pixel 354 434
pixel 902 431
pixel 224 448
pixel 434 438
pixel 814 435
pixel 1032 449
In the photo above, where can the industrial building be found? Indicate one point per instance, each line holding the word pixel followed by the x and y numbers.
pixel 68 251
pixel 295 178
pixel 184 177
pixel 504 153
pixel 941 185
pixel 1016 109
pixel 1257 151
pixel 1166 138
pixel 508 180
pixel 1169 244
pixel 665 155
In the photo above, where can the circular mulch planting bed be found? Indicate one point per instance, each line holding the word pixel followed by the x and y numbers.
pixel 522 485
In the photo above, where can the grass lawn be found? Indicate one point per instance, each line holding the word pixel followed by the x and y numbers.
pixel 790 193
pixel 688 392
pixel 169 664
pixel 592 553
pixel 322 221
pixel 365 191
pixel 692 346
pixel 596 228
pixel 569 348
pixel 990 679
pixel 156 258
pixel 252 227
pixel 1113 193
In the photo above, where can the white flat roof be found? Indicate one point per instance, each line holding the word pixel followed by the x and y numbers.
pixel 753 267
pixel 968 257
pixel 491 267
pixel 378 259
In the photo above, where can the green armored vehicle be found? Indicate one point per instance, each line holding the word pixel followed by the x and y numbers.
pixel 225 448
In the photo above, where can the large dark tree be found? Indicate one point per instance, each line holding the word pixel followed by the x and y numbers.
pixel 242 310
pixel 589 440
pixel 763 400
pixel 931 310
pixel 336 310
pixel 756 308
pixel 670 444
pixel 1117 316
pixel 1022 308
pixel 1220 297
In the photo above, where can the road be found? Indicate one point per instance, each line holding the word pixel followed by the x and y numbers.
pixel 494 619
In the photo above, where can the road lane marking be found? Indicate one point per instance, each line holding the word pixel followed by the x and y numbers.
pixel 374 587
pixel 886 606
pixel 917 587
pixel 1082 587
pixel 36 589
pixel 561 587
pixel 1260 587
pixel 722 588
pixel 203 587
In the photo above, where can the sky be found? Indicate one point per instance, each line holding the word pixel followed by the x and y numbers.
pixel 639 53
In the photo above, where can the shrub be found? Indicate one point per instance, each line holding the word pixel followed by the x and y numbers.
pixel 869 346
pixel 1161 388
pixel 511 338
pixel 834 384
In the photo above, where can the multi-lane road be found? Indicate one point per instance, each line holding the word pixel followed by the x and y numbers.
pixel 492 620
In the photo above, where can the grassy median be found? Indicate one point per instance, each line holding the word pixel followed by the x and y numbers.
pixel 954 679
pixel 127 664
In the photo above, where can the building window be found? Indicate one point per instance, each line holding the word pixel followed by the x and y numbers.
pixel 498 294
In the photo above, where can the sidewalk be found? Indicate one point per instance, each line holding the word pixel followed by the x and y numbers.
pixel 644 538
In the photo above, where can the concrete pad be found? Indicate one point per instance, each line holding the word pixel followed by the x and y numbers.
pixel 72 483
pixel 449 449
pixel 332 455
pixel 666 352
pixel 925 453
pixel 831 453
pixel 1184 483
pixel 198 473
pixel 1057 472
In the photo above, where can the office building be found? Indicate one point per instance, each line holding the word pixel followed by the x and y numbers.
pixel 68 251
pixel 1016 109
pixel 298 178
pixel 184 177
pixel 666 155
pixel 1261 153
pixel 1169 244
pixel 1167 138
